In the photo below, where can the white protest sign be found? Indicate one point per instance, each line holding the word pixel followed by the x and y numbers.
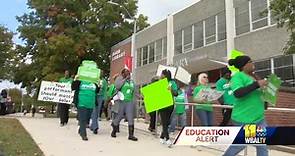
pixel 183 75
pixel 209 95
pixel 56 92
pixel 171 69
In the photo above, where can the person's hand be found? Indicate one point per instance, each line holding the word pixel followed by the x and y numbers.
pixel 76 77
pixel 262 83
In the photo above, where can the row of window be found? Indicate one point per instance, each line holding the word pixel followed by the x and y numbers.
pixel 199 34
pixel 251 15
pixel 152 52
pixel 283 66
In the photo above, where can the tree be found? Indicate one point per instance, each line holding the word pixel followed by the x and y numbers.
pixel 284 12
pixel 6 53
pixel 59 34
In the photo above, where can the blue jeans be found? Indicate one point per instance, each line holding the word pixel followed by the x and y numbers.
pixel 94 116
pixel 261 150
pixel 206 117
pixel 177 117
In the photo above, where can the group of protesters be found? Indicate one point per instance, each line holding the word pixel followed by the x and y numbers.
pixel 242 91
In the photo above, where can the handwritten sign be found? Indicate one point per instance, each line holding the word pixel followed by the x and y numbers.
pixel 56 92
pixel 209 95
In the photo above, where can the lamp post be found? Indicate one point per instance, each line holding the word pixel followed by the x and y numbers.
pixel 133 56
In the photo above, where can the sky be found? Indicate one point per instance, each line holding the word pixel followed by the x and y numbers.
pixel 156 10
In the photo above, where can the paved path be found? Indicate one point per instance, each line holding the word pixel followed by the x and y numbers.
pixel 61 141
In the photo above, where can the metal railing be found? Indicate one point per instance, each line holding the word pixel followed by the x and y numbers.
pixel 214 105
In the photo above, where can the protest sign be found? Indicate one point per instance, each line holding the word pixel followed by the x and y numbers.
pixel 183 76
pixel 89 72
pixel 209 95
pixel 56 92
pixel 270 93
pixel 171 69
pixel 157 96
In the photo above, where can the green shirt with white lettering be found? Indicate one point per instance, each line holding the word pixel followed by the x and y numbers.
pixel 249 108
pixel 205 106
pixel 66 80
pixel 128 91
pixel 223 85
pixel 87 95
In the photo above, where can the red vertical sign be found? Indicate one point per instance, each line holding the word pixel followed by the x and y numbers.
pixel 128 62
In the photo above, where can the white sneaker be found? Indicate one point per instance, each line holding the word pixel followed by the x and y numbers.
pixel 168 142
pixel 162 141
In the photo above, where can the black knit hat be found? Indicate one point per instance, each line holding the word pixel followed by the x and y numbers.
pixel 225 71
pixel 239 62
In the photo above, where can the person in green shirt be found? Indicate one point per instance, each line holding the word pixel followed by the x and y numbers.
pixel 63 108
pixel 126 88
pixel 85 99
pixel 166 113
pixel 249 106
pixel 204 111
pixel 179 113
pixel 97 109
pixel 227 98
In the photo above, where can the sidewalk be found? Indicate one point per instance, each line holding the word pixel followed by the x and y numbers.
pixel 59 141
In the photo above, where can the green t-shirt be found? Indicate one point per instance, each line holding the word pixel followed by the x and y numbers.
pixel 173 85
pixel 128 91
pixel 249 108
pixel 87 95
pixel 223 85
pixel 65 80
pixel 103 88
pixel 111 90
pixel 206 106
pixel 180 99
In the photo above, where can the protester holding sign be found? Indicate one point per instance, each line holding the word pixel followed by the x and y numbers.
pixel 126 87
pixel 153 115
pixel 165 113
pixel 228 98
pixel 85 100
pixel 249 106
pixel 204 112
pixel 63 109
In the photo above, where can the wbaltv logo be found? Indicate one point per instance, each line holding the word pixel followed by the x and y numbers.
pixel 255 134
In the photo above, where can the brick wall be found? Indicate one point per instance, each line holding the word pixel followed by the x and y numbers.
pixel 273 118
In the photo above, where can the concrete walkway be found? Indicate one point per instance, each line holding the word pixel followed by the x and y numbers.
pixel 60 141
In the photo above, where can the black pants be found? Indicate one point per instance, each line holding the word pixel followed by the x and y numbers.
pixel 63 113
pixel 226 112
pixel 165 115
pixel 2 109
pixel 152 120
pixel 84 117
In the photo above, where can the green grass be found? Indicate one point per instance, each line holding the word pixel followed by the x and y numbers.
pixel 15 140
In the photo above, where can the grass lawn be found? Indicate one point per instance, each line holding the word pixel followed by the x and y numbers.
pixel 15 140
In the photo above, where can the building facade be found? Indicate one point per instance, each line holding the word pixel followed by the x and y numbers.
pixel 201 35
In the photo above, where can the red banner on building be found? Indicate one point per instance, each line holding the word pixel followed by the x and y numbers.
pixel 128 62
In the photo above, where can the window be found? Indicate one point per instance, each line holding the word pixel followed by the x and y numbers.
pixel 242 18
pixel 210 28
pixel 258 13
pixel 263 68
pixel 284 68
pixel 165 47
pixel 144 55
pixel 139 57
pixel 198 35
pixel 152 52
pixel 187 43
pixel 159 49
pixel 221 26
pixel 178 42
